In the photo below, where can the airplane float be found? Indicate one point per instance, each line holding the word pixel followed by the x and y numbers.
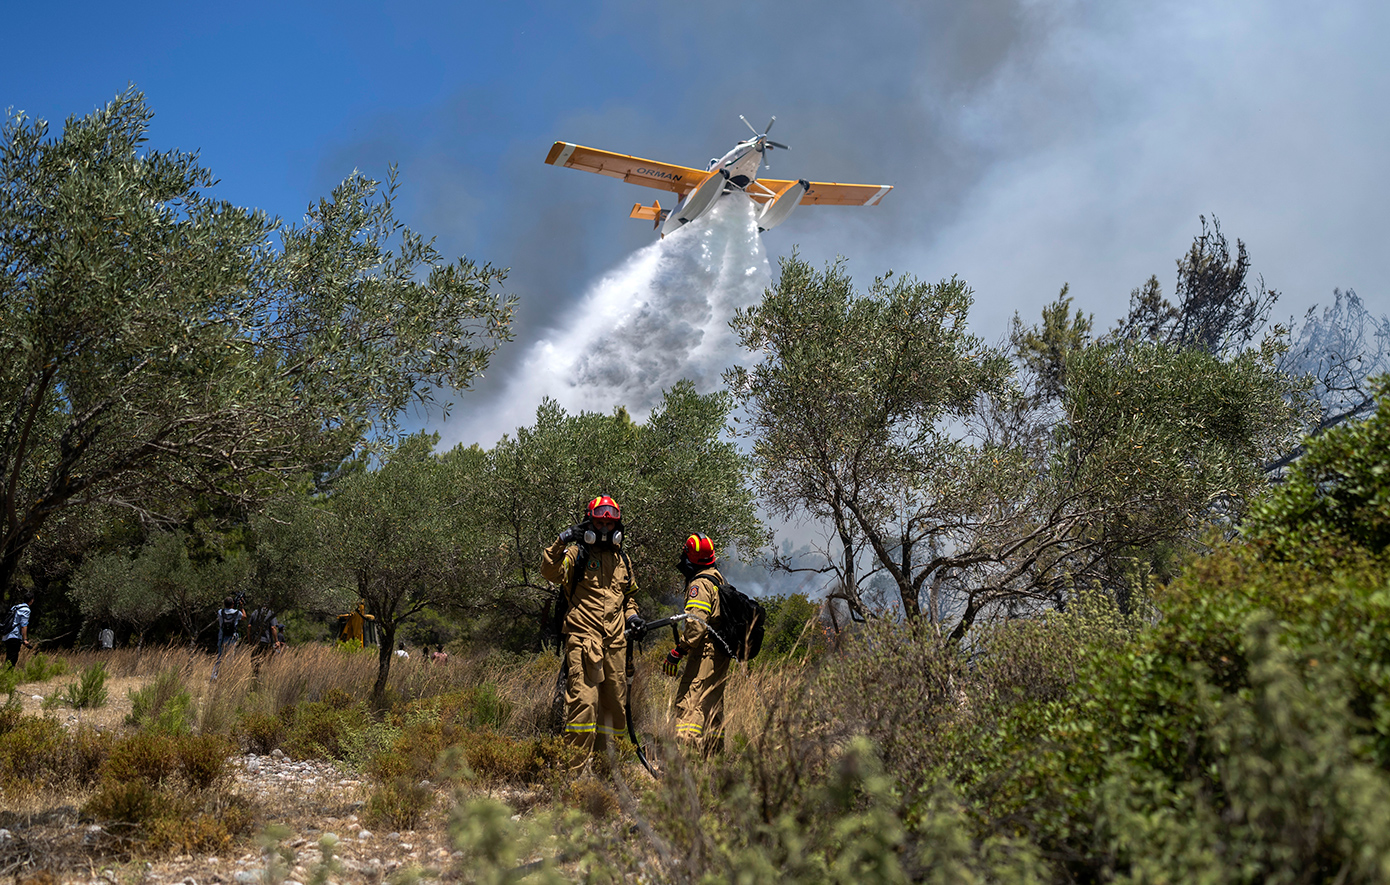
pixel 699 189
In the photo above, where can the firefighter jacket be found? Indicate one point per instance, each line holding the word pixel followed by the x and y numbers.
pixel 602 600
pixel 702 601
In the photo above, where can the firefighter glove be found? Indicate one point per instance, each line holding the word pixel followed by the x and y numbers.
pixel 571 534
pixel 637 627
pixel 673 662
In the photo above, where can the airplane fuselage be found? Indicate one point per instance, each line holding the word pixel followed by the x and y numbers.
pixel 743 162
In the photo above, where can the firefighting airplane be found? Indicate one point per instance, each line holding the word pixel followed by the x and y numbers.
pixel 698 190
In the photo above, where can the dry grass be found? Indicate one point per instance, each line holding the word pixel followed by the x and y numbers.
pixel 525 683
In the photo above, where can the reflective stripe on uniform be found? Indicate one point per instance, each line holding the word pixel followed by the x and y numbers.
pixel 610 730
pixel 689 728
pixel 698 604
pixel 581 727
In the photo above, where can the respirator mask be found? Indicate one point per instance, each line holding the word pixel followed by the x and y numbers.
pixel 687 568
pixel 593 537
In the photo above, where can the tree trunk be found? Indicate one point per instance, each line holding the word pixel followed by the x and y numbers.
pixel 386 650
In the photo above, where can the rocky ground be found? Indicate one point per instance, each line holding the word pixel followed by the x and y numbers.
pixel 313 800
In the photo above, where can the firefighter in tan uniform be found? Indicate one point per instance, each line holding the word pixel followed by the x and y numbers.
pixel 601 605
pixel 700 696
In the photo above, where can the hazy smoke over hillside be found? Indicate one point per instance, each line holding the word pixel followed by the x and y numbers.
pixel 659 317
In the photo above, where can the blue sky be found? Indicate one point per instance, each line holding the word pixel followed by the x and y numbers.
pixel 1031 143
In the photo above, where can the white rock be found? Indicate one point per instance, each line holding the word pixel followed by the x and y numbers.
pixel 5 835
pixel 253 765
pixel 37 697
pixel 249 875
pixel 364 834
pixel 277 753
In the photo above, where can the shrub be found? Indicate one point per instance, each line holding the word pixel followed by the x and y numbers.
pixel 163 706
pixel 399 804
pixel 317 730
pixel 202 759
pixel 791 627
pixel 11 713
pixel 31 752
pixel 41 668
pixel 262 731
pixel 129 803
pixel 89 691
pixel 144 756
pixel 496 758
pixel 212 828
pixel 38 752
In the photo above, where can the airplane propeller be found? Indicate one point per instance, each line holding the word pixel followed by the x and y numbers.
pixel 762 136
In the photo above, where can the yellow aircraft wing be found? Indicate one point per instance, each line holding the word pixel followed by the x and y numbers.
pixel 635 170
pixel 824 193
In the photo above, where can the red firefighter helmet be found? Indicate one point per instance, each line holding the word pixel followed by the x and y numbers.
pixel 603 507
pixel 699 549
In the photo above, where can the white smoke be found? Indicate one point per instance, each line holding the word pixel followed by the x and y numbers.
pixel 659 317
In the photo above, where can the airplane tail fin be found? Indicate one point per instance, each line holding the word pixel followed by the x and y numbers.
pixel 654 212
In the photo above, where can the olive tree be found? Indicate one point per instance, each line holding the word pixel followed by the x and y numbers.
pixel 673 474
pixel 396 533
pixel 851 405
pixel 996 483
pixel 156 342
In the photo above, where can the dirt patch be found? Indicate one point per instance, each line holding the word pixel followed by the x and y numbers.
pixel 111 715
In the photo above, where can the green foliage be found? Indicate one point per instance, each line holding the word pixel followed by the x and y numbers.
pixel 37 752
pixel 38 667
pixel 398 535
pixel 89 691
pixel 316 730
pixel 261 731
pixel 848 404
pixel 673 474
pixel 399 804
pixel 1046 349
pixel 164 705
pixel 291 561
pixel 1337 494
pixel 156 342
pixel 793 624
pixel 494 845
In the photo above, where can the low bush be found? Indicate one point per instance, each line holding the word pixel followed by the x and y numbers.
pixel 88 692
pixel 315 729
pixel 399 804
pixel 38 753
pixel 261 731
pixel 164 705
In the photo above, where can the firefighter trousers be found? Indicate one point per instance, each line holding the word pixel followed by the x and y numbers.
pixel 700 700
pixel 594 702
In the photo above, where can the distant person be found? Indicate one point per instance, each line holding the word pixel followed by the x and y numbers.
pixel 700 695
pixel 229 618
pixel 107 638
pixel 18 634
pixel 401 652
pixel 441 656
pixel 263 632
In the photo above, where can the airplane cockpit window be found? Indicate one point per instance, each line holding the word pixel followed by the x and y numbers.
pixel 712 162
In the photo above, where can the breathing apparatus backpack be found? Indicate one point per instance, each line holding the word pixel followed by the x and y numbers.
pixel 7 623
pixel 739 625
